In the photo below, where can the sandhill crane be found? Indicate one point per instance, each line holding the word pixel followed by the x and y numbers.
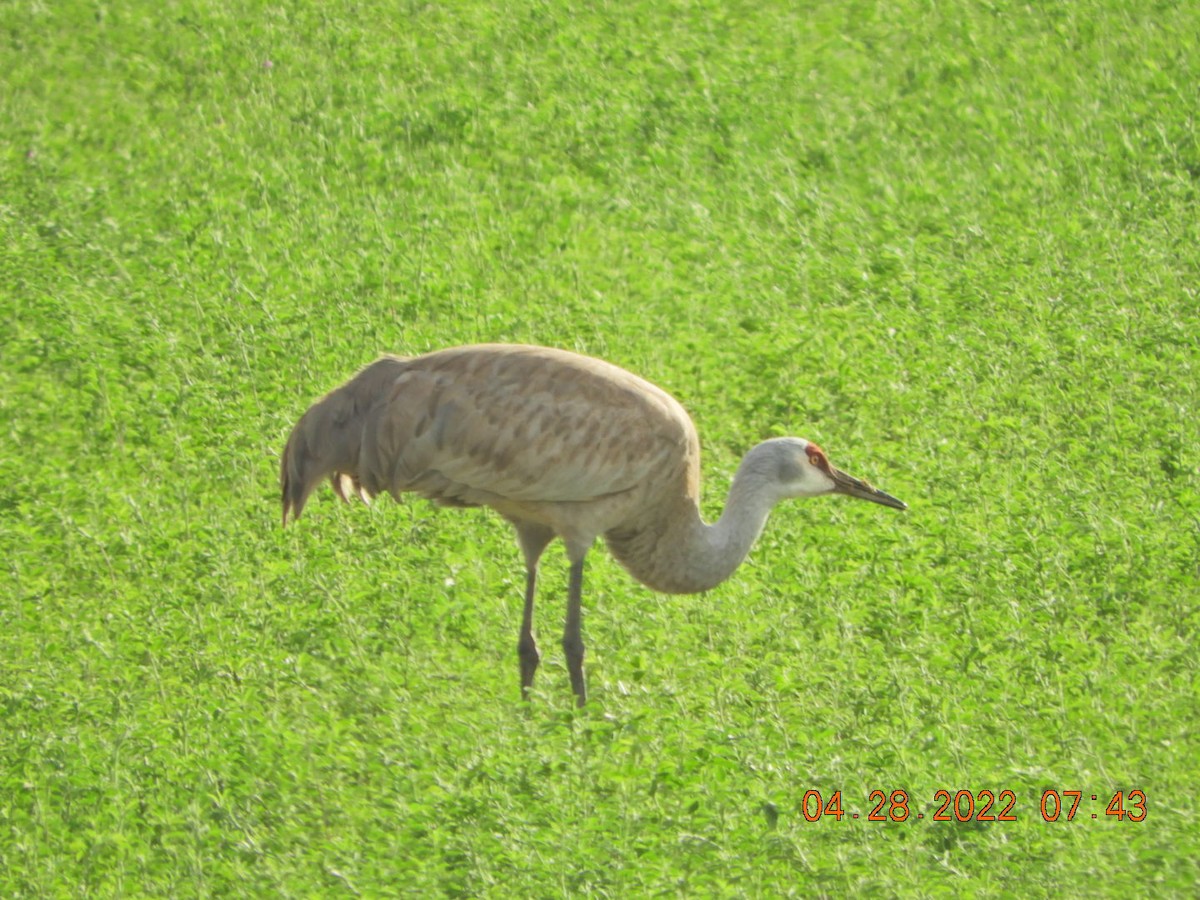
pixel 561 445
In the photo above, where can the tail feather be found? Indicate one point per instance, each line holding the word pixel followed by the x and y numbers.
pixel 327 439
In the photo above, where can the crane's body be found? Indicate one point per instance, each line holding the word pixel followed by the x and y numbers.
pixel 561 445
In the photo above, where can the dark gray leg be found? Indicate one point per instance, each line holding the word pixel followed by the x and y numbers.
pixel 533 539
pixel 527 649
pixel 572 641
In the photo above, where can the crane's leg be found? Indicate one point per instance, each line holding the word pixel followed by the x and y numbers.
pixel 533 539
pixel 527 651
pixel 572 641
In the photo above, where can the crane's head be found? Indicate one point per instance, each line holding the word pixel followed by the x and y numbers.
pixel 800 468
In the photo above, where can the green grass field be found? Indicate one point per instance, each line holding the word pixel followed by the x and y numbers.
pixel 957 245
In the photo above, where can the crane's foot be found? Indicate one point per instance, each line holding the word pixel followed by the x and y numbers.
pixel 573 648
pixel 527 653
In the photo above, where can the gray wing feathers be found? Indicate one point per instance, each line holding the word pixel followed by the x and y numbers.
pixel 480 425
pixel 466 442
pixel 327 440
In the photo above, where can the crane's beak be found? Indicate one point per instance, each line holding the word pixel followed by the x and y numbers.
pixel 856 487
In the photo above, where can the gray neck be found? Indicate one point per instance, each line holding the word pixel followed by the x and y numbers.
pixel 681 554
pixel 715 551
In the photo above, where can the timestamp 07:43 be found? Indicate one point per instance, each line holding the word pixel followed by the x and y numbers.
pixel 979 806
